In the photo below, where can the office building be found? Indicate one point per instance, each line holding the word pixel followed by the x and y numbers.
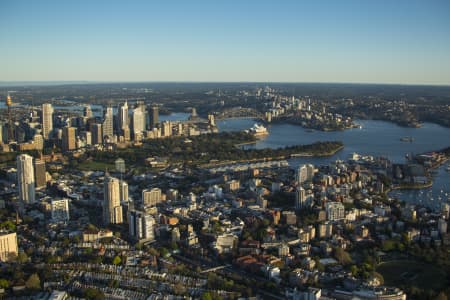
pixel 138 122
pixel 151 197
pixel 68 139
pixel 154 117
pixel 112 211
pixel 40 175
pixel 96 132
pixel 47 120
pixel 60 210
pixel 141 226
pixel 123 116
pixel 25 178
pixel 8 246
pixel 108 124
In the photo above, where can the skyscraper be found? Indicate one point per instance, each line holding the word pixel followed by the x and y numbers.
pixel 123 189
pixel 112 211
pixel 123 116
pixel 108 123
pixel 25 178
pixel 68 139
pixel 40 173
pixel 154 117
pixel 47 119
pixel 96 131
pixel 138 121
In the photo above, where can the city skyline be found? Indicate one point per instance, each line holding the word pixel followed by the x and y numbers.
pixel 401 42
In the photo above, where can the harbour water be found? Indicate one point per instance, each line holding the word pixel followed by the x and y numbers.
pixel 376 138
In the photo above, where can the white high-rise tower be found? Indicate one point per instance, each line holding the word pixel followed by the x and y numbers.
pixel 47 119
pixel 25 178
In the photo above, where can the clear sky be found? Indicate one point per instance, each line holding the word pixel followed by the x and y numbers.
pixel 392 41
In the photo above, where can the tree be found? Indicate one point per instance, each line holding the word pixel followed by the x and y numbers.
pixel 93 294
pixel 4 284
pixel 33 282
pixel 22 257
pixel 116 260
pixel 206 296
pixel 342 256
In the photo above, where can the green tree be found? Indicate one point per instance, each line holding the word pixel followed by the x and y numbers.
pixel 206 296
pixel 93 294
pixel 116 260
pixel 22 257
pixel 342 256
pixel 33 282
pixel 4 284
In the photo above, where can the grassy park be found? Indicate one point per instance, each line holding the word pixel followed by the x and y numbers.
pixel 413 273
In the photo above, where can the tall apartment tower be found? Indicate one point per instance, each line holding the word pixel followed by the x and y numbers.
pixel 141 226
pixel 68 139
pixel 40 173
pixel 304 173
pixel 25 178
pixel 112 211
pixel 108 123
pixel 47 120
pixel 154 117
pixel 8 246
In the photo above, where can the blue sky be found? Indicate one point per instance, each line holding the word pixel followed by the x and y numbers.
pixel 293 41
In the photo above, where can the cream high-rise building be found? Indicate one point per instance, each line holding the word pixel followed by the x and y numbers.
pixel 47 119
pixel 25 178
pixel 112 211
pixel 8 246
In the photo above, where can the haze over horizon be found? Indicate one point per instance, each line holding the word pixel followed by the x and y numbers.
pixel 394 42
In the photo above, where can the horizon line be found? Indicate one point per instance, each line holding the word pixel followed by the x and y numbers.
pixel 64 82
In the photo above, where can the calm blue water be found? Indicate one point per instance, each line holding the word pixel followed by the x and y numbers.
pixel 376 138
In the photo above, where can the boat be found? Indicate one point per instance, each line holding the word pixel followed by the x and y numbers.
pixel 258 130
pixel 407 139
